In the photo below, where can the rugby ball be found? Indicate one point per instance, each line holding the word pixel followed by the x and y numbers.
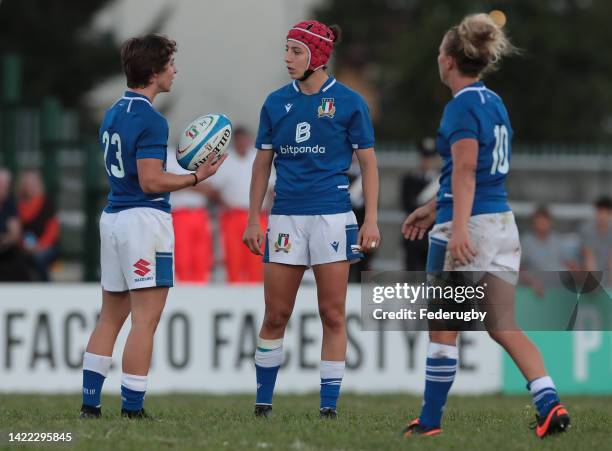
pixel 206 137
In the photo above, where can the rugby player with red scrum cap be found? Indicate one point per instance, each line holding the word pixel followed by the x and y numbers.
pixel 310 129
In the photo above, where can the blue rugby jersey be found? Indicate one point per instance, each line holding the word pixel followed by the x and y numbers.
pixel 132 130
pixel 478 113
pixel 313 137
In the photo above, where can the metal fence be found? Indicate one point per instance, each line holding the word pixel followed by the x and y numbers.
pixel 47 137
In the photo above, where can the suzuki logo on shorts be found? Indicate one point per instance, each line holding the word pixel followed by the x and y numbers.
pixel 142 267
pixel 302 132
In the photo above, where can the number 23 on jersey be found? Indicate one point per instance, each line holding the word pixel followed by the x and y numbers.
pixel 114 140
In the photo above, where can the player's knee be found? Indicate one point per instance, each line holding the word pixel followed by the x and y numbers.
pixel 276 319
pixel 147 322
pixel 111 323
pixel 332 318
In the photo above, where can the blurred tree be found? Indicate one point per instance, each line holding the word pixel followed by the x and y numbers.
pixel 62 55
pixel 558 90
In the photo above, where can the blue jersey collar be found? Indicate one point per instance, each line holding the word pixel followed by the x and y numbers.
pixel 478 86
pixel 326 86
pixel 135 95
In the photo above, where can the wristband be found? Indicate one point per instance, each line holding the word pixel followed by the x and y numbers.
pixel 196 179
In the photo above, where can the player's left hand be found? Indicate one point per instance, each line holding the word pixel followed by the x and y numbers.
pixel 461 248
pixel 369 237
pixel 209 168
pixel 254 238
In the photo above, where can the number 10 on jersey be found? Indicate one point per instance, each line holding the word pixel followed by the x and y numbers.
pixel 500 151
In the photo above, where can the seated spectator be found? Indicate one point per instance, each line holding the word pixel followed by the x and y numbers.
pixel 39 222
pixel 542 250
pixel 596 238
pixel 13 264
pixel 230 189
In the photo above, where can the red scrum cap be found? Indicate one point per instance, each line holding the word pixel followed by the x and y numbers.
pixel 318 39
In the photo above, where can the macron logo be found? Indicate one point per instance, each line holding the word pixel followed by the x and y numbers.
pixel 288 107
pixel 335 245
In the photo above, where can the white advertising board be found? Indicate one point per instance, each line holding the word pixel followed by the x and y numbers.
pixel 206 340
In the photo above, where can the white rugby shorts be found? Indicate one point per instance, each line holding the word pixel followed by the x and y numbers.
pixel 312 239
pixel 136 249
pixel 495 238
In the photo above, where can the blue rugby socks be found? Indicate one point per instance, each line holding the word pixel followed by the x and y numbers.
pixel 331 379
pixel 133 390
pixel 439 376
pixel 544 394
pixel 95 370
pixel 268 359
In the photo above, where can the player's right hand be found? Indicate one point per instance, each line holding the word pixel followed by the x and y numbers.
pixel 418 222
pixel 253 238
pixel 460 247
pixel 209 168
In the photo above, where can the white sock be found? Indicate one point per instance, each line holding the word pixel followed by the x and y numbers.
pixel 134 382
pixel 440 351
pixel 540 384
pixel 331 369
pixel 269 353
pixel 97 363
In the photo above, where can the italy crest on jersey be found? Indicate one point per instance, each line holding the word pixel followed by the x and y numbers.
pixel 282 243
pixel 327 108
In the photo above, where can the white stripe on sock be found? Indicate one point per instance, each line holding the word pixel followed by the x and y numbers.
pixel 542 394
pixel 440 378
pixel 441 368
pixel 331 369
pixel 134 382
pixel 97 363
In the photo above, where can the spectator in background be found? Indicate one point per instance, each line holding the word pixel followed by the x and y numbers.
pixel 39 222
pixel 417 189
pixel 542 250
pixel 193 246
pixel 230 189
pixel 13 267
pixel 10 229
pixel 596 238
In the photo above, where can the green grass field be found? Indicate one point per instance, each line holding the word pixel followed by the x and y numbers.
pixel 366 423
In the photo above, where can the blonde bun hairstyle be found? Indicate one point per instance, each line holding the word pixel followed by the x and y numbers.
pixel 477 44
